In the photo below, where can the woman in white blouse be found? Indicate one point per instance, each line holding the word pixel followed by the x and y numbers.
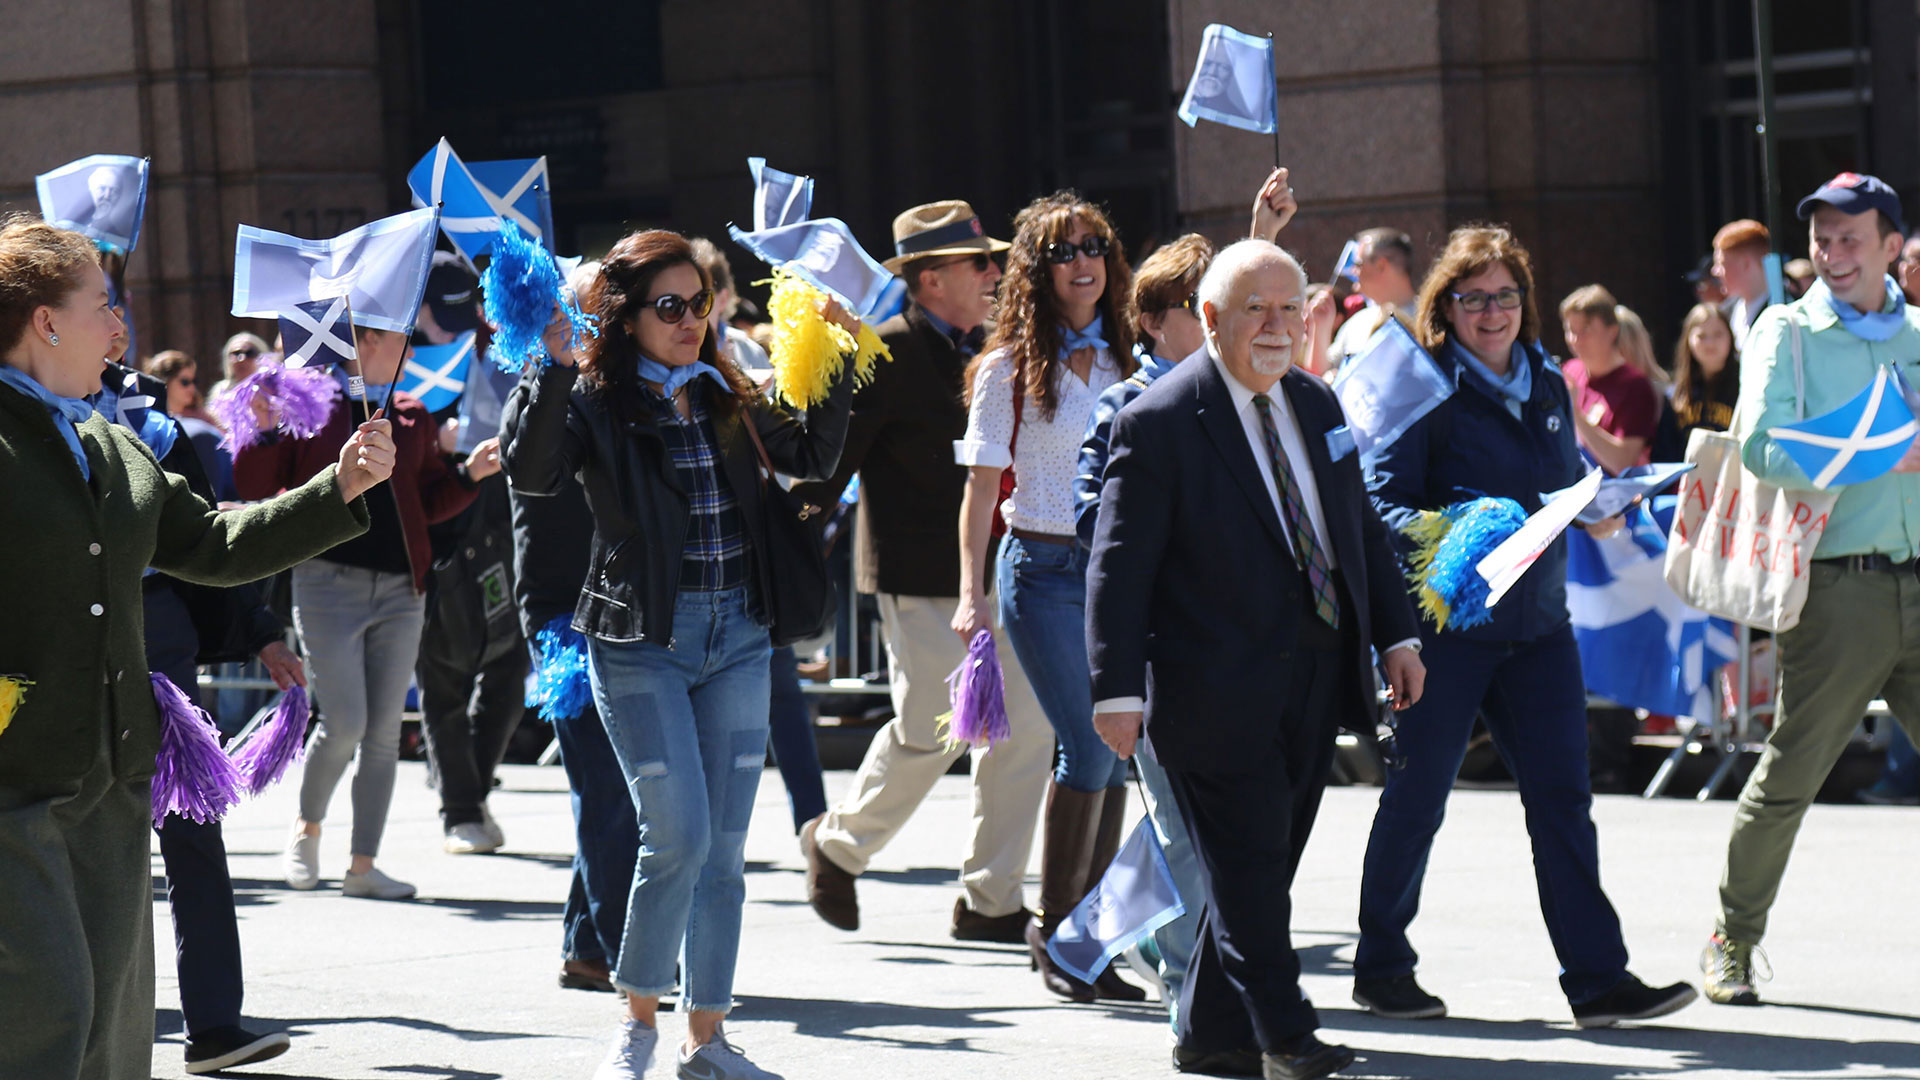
pixel 1062 334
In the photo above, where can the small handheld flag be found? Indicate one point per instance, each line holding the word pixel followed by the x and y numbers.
pixel 437 374
pixel 824 253
pixel 317 333
pixel 1506 564
pixel 521 191
pixel 476 200
pixel 1348 264
pixel 103 196
pixel 1233 82
pixel 1859 441
pixel 1135 897
pixel 1387 388
pixel 779 198
pixel 380 268
pixel 1617 493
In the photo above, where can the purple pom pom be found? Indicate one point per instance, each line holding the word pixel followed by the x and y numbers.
pixel 299 399
pixel 521 285
pixel 977 692
pixel 263 759
pixel 192 776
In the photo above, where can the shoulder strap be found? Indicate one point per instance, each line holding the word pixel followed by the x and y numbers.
pixel 1019 403
pixel 1799 367
pixel 759 448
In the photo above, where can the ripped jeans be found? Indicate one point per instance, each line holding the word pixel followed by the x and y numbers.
pixel 689 727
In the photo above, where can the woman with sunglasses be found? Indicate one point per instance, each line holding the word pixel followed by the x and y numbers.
pixel 1063 333
pixel 1507 432
pixel 655 428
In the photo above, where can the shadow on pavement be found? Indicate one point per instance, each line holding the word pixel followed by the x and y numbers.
pixel 855 1021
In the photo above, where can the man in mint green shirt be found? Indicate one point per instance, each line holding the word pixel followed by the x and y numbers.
pixel 1859 634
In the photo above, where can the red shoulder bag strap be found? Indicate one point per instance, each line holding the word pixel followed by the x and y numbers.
pixel 1006 477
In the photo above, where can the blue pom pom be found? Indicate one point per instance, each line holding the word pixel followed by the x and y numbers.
pixel 560 688
pixel 1477 527
pixel 522 283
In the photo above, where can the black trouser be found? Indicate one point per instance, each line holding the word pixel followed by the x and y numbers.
pixel 206 931
pixel 470 704
pixel 1249 829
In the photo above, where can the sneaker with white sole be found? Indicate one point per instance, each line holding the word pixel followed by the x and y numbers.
pixel 301 864
pixel 469 838
pixel 630 1054
pixel 374 885
pixel 494 832
pixel 720 1060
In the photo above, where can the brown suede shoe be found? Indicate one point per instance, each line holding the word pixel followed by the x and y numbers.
pixel 586 975
pixel 970 925
pixel 829 888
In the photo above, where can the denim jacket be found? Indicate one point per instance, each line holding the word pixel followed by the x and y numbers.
pixel 1093 452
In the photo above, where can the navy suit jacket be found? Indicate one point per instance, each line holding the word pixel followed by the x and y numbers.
pixel 1193 598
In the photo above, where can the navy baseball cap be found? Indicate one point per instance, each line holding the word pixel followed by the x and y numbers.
pixel 1856 193
pixel 453 293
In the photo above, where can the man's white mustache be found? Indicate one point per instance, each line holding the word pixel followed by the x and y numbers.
pixel 1274 341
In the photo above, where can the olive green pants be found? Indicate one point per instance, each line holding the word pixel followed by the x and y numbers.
pixel 76 929
pixel 1858 639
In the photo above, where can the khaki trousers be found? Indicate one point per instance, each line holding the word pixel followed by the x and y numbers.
pixel 909 754
pixel 1858 638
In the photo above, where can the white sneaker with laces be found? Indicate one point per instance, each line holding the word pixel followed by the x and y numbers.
pixel 374 885
pixel 720 1060
pixel 469 838
pixel 301 864
pixel 631 1052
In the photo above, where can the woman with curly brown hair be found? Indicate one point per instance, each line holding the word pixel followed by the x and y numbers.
pixel 655 429
pixel 1063 333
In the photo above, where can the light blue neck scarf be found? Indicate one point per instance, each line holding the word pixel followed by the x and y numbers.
pixel 1516 386
pixel 1878 325
pixel 66 411
pixel 1088 338
pixel 671 379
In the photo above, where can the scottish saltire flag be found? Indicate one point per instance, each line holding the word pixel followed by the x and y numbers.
pixel 102 196
pixel 1348 264
pixel 1387 388
pixel 476 199
pixel 825 253
pixel 380 268
pixel 1640 644
pixel 779 198
pixel 317 333
pixel 436 374
pixel 1858 441
pixel 1135 897
pixel 1233 82
pixel 522 191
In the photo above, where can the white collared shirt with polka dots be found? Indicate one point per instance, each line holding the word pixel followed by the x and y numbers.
pixel 1047 456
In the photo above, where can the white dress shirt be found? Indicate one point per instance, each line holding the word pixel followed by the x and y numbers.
pixel 1046 456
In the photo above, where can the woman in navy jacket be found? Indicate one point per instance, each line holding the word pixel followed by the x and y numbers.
pixel 1507 431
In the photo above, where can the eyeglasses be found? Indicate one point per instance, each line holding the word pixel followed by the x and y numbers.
pixel 247 351
pixel 1060 252
pixel 979 261
pixel 1505 299
pixel 671 309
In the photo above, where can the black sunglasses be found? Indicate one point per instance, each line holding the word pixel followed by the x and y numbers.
pixel 671 309
pixel 246 351
pixel 979 260
pixel 1060 252
pixel 1505 299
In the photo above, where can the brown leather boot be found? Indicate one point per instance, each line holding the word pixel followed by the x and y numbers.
pixel 829 889
pixel 1067 838
pixel 1106 842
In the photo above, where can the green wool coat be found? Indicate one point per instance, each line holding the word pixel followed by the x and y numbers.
pixel 72 551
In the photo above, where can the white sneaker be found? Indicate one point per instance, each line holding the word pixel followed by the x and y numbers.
pixel 470 838
pixel 720 1060
pixel 301 864
pixel 494 833
pixel 374 885
pixel 631 1052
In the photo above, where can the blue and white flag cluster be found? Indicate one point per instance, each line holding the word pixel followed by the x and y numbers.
pixel 1135 897
pixel 779 198
pixel 437 374
pixel 1348 264
pixel 1387 388
pixel 824 252
pixel 102 196
pixel 1233 82
pixel 1859 441
pixel 380 268
pixel 316 333
pixel 1640 644
pixel 476 199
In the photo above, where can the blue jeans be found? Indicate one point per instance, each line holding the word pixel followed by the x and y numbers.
pixel 606 840
pixel 1901 774
pixel 1535 706
pixel 794 750
pixel 1043 606
pixel 688 724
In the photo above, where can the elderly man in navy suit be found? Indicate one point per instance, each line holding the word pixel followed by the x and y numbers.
pixel 1239 574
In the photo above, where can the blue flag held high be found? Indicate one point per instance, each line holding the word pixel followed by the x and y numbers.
pixel 825 253
pixel 779 198
pixel 522 190
pixel 1233 82
pixel 101 196
pixel 1859 441
pixel 1640 644
pixel 1135 897
pixel 1348 264
pixel 1387 388
pixel 316 334
pixel 477 199
pixel 436 374
pixel 380 267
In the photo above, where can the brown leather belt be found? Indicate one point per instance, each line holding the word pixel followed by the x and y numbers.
pixel 1032 537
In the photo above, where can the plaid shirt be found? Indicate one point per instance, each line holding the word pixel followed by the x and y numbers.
pixel 715 557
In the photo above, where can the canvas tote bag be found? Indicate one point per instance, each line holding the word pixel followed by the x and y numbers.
pixel 1740 547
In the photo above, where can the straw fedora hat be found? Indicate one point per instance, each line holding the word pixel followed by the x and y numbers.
pixel 940 228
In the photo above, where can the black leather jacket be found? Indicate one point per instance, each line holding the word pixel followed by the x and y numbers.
pixel 608 440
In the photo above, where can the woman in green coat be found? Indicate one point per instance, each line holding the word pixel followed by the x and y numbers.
pixel 84 510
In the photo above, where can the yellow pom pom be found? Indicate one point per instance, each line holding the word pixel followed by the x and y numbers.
pixel 808 352
pixel 13 693
pixel 1426 530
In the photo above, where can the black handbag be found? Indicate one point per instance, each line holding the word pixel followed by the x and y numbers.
pixel 800 600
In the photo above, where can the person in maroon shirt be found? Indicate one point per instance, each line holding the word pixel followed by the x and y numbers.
pixel 1616 411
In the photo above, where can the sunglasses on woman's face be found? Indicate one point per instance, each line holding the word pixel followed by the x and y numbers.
pixel 247 351
pixel 671 309
pixel 1061 252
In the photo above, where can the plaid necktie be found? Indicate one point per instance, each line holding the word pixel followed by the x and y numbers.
pixel 1306 550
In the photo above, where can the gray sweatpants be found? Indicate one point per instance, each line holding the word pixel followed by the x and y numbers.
pixel 360 630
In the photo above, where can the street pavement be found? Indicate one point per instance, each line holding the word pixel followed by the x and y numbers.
pixel 461 984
